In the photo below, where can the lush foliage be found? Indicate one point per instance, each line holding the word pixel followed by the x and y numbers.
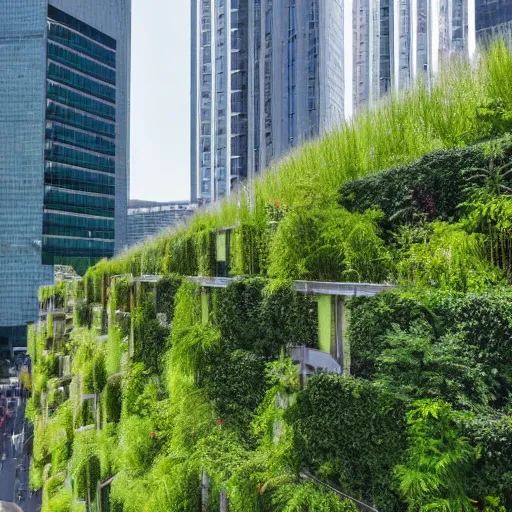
pixel 183 394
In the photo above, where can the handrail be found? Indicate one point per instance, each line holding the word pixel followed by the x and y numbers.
pixel 345 289
pixel 306 475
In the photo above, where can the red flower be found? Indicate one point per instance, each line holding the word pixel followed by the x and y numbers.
pixel 220 422
pixel 278 204
pixel 152 435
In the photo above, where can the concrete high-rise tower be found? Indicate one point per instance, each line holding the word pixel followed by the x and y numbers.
pixel 64 156
pixel 269 74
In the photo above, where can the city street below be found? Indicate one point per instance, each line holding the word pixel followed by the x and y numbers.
pixel 14 461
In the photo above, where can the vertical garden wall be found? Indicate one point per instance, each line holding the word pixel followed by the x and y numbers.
pixel 170 387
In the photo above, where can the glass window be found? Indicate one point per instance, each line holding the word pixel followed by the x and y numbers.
pixel 63 200
pixel 67 77
pixel 71 39
pixel 72 178
pixel 72 117
pixel 71 22
pixel 81 63
pixel 68 155
pixel 61 133
pixel 74 99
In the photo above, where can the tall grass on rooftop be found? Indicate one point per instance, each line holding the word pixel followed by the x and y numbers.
pixel 398 130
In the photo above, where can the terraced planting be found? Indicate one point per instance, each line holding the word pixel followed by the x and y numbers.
pixel 155 390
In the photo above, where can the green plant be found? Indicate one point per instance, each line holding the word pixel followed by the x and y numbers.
pixel 449 258
pixel 150 337
pixel 304 497
pixel 85 464
pixel 437 460
pixel 491 434
pixel 352 433
pixel 112 399
pixel 415 366
pixel 371 321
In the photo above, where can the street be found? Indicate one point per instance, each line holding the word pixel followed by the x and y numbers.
pixel 14 462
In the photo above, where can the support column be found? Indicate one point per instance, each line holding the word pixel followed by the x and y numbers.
pixel 325 323
pixel 471 29
pixel 133 304
pixel 224 505
pixel 205 491
pixel 341 345
pixel 205 306
pixel 345 319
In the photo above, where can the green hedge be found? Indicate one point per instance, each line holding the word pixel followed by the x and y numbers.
pixel 150 337
pixel 485 322
pixel 166 290
pixel 235 383
pixel 112 399
pixel 372 319
pixel 491 434
pixel 246 250
pixel 265 319
pixel 352 434
pixel 430 188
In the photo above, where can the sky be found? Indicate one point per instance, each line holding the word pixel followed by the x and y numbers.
pixel 160 100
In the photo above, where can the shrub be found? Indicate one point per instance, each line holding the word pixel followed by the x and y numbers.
pixel 352 433
pixel 205 250
pixel 430 188
pixel 150 337
pixel 417 366
pixel 491 435
pixel 267 318
pixel 485 322
pixel 306 496
pixel 287 318
pixel 245 250
pixel 242 301
pixel 446 257
pixel 137 449
pixel 235 383
pixel 85 464
pixel 372 319
pixel 437 459
pixel 114 348
pixel 166 290
pixel 329 245
pixel 112 399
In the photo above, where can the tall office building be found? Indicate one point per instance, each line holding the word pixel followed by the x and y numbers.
pixel 64 125
pixel 149 218
pixel 269 74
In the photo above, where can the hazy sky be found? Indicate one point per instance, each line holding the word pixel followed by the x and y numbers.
pixel 160 99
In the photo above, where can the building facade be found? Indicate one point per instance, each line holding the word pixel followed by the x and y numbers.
pixel 146 218
pixel 269 74
pixel 64 90
pixel 493 16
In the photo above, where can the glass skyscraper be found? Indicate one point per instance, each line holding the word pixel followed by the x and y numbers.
pixel 64 89
pixel 269 74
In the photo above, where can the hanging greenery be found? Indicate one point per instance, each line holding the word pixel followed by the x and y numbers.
pixel 195 397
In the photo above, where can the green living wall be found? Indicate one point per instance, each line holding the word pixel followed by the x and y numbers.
pixel 182 395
